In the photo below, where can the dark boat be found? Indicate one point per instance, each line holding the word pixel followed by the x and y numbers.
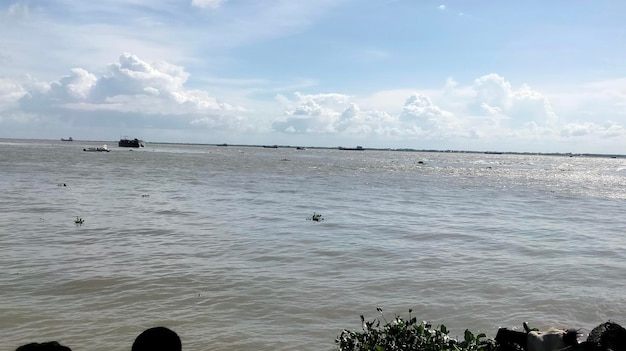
pixel 68 139
pixel 270 146
pixel 125 142
pixel 358 148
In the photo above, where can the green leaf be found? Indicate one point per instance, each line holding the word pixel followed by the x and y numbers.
pixel 469 337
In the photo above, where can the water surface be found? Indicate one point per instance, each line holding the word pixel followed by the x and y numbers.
pixel 214 242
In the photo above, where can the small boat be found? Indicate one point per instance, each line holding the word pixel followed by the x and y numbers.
pixel 68 139
pixel 222 144
pixel 102 148
pixel 358 148
pixel 125 142
pixel 270 146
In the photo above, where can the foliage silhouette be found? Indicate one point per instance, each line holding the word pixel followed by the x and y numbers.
pixel 408 335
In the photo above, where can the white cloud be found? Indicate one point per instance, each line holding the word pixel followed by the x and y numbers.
pixel 421 115
pixel 129 85
pixel 604 97
pixel 442 7
pixel 225 123
pixel 606 130
pixel 10 92
pixel 339 114
pixel 75 34
pixel 531 105
pixel 490 110
pixel 133 92
pixel 207 3
pixel 130 93
pixel 132 76
pixel 317 113
pixel 493 95
pixel 493 91
pixel 355 122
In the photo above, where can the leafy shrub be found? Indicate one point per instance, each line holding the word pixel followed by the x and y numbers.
pixel 408 335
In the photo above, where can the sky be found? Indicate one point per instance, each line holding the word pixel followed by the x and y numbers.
pixel 475 75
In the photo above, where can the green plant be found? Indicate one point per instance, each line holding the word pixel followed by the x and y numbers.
pixel 408 335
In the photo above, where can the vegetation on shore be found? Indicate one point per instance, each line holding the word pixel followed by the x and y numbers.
pixel 408 334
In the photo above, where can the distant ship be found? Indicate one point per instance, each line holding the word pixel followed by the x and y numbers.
pixel 358 148
pixel 68 139
pixel 125 142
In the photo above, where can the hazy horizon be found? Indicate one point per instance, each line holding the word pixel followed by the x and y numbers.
pixel 147 143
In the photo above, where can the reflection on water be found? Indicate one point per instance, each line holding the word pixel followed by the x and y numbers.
pixel 213 242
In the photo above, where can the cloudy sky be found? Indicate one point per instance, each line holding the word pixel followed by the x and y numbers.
pixel 537 76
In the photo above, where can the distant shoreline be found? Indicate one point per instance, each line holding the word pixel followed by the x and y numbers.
pixel 488 152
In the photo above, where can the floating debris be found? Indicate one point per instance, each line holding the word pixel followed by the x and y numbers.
pixel 317 217
pixel 143 195
pixel 79 220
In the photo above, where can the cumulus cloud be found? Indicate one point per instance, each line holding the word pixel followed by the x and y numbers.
pixel 132 76
pixel 525 113
pixel 334 114
pixel 129 93
pixel 133 92
pixel 494 96
pixel 493 91
pixel 317 113
pixel 339 114
pixel 354 121
pixel 425 118
pixel 489 109
pixel 529 104
pixel 129 85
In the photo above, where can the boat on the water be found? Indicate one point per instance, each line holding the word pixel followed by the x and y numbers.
pixel 125 142
pixel 68 139
pixel 270 146
pixel 358 148
pixel 102 148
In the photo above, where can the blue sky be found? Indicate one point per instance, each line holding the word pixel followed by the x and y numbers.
pixel 533 76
